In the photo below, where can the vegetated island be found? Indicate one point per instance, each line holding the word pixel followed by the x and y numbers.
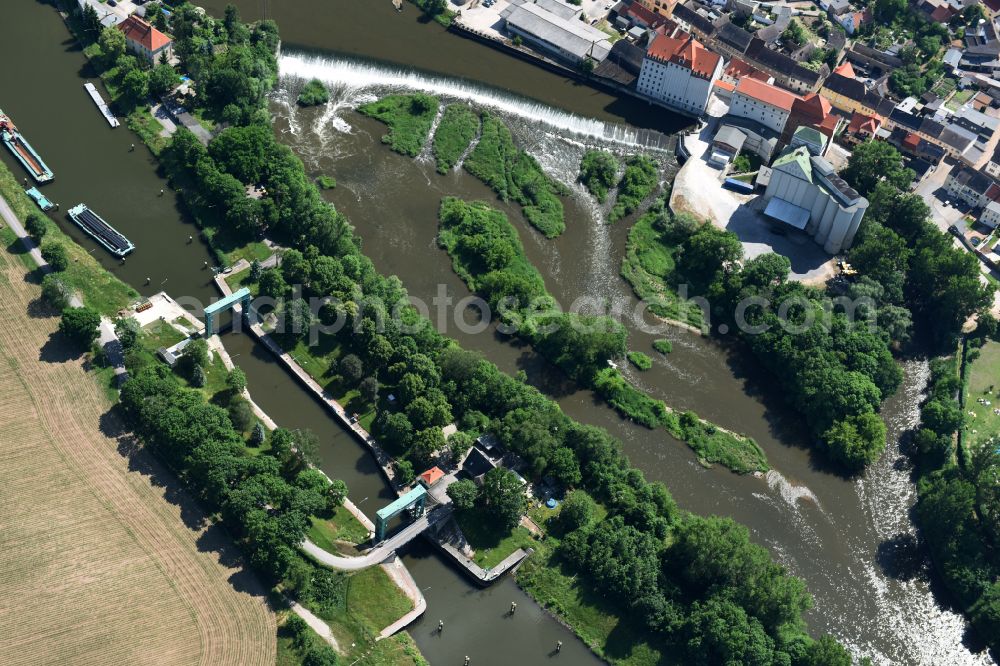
pixel 313 93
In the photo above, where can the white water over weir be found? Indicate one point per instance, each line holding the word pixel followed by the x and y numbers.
pixel 352 77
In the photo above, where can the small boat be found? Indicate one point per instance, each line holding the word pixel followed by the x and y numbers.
pixel 40 199
pixel 23 151
pixel 95 227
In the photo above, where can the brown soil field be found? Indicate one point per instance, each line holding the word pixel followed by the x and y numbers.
pixel 103 559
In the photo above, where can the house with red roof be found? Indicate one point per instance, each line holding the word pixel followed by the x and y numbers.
pixel 853 21
pixel 846 69
pixel 146 41
pixel 679 72
pixel 863 127
pixel 813 111
pixel 738 69
pixel 431 476
pixel 762 102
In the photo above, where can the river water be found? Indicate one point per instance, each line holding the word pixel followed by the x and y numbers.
pixel 848 538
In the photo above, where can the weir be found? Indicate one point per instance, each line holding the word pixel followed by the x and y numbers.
pixel 357 77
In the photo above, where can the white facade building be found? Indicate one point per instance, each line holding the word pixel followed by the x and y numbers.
pixel 679 72
pixel 762 102
pixel 806 193
pixel 991 215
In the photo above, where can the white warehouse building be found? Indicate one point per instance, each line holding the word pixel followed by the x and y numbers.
pixel 679 72
pixel 762 102
pixel 806 193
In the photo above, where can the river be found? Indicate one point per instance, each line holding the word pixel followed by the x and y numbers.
pixel 838 534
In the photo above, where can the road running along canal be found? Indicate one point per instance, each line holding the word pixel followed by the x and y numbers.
pixel 833 541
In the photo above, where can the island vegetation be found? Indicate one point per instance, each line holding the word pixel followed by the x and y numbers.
pixel 663 346
pixel 640 360
pixel 516 176
pixel 649 265
pixel 487 253
pixel 409 118
pixel 638 182
pixel 598 170
pixel 458 127
pixel 313 93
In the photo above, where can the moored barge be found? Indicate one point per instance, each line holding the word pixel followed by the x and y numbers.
pixel 95 227
pixel 23 151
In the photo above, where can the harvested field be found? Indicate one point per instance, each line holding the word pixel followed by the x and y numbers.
pixel 102 559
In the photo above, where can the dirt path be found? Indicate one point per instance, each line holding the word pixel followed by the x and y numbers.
pixel 102 559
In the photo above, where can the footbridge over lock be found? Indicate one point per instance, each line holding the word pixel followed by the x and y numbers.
pixel 241 298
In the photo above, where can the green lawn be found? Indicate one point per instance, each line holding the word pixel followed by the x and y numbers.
pixel 492 547
pixel 142 122
pixel 983 382
pixel 374 598
pixel 237 281
pixel 160 334
pixel 327 530
pixel 960 98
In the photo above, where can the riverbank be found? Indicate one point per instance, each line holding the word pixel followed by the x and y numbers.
pixel 109 561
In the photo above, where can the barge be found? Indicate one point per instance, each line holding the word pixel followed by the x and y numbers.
pixel 95 227
pixel 43 201
pixel 23 151
pixel 99 101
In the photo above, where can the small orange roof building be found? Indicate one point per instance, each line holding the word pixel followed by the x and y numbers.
pixel 431 476
pixel 845 69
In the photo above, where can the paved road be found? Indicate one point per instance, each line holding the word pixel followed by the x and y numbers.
pixel 107 337
pixel 381 552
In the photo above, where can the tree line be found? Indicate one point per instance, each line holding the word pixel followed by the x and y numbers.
pixel 958 507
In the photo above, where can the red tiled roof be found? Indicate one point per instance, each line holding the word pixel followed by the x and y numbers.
pixel 941 14
pixel 137 30
pixel 766 93
pixel 861 122
pixel 738 69
pixel 993 192
pixel 816 104
pixel 911 141
pixel 829 124
pixel 637 11
pixel 431 476
pixel 725 85
pixel 685 51
pixel 845 69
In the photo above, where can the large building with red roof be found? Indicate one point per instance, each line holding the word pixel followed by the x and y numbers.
pixel 762 102
pixel 144 40
pixel 814 111
pixel 679 72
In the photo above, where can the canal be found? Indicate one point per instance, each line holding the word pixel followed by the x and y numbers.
pixel 838 534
